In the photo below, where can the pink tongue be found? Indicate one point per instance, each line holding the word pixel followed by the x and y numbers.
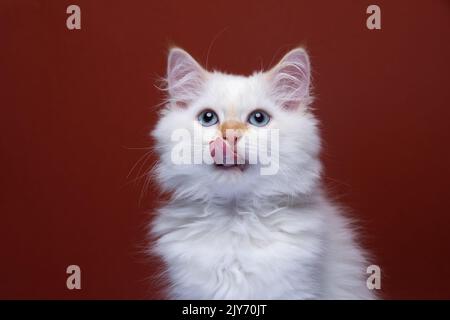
pixel 222 153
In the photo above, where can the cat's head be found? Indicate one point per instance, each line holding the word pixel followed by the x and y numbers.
pixel 223 136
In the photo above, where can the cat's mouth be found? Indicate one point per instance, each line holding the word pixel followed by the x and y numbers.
pixel 240 167
pixel 225 155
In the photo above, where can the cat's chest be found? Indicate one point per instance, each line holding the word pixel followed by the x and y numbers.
pixel 238 252
pixel 239 243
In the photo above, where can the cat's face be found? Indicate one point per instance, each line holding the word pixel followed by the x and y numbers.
pixel 225 135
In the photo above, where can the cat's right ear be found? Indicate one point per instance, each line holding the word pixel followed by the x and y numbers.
pixel 185 77
pixel 290 79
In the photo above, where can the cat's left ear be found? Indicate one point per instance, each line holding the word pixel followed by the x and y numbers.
pixel 290 79
pixel 185 77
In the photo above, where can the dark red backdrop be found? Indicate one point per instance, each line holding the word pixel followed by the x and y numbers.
pixel 76 104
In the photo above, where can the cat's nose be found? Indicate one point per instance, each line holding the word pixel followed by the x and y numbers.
pixel 232 130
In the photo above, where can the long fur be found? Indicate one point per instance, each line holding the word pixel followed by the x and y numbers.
pixel 242 235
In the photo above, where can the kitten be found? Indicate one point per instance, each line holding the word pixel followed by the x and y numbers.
pixel 231 231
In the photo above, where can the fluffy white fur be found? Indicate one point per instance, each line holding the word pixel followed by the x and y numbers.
pixel 232 234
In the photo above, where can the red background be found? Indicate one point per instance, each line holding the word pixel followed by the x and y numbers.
pixel 76 107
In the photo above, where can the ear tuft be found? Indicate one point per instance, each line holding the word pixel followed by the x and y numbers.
pixel 185 77
pixel 290 79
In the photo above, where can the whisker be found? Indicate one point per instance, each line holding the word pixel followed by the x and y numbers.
pixel 137 162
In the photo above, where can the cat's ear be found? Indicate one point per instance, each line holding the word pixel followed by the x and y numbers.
pixel 185 77
pixel 290 79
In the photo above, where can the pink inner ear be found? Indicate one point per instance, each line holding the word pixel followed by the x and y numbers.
pixel 179 66
pixel 291 79
pixel 185 77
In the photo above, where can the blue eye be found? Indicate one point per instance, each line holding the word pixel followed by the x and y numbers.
pixel 259 118
pixel 208 118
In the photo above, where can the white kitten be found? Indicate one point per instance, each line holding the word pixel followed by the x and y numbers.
pixel 230 231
